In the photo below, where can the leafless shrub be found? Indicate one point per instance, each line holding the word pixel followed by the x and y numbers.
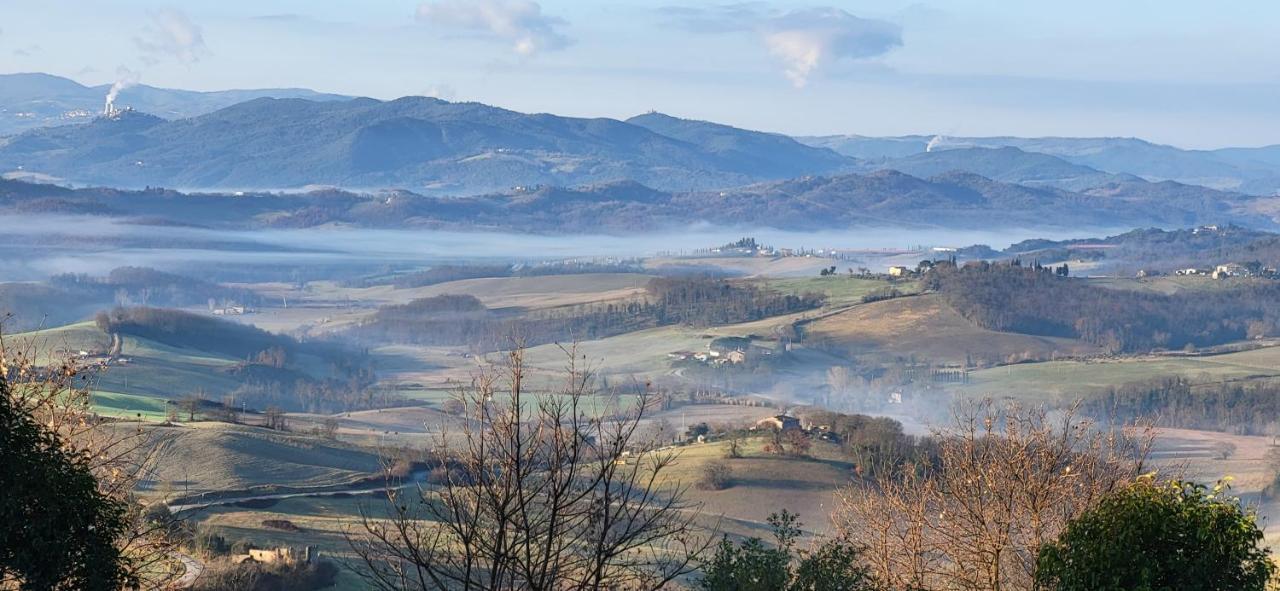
pixel 716 475
pixel 1223 450
pixel 1006 482
pixel 541 495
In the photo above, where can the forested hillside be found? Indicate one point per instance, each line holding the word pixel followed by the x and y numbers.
pixel 1031 300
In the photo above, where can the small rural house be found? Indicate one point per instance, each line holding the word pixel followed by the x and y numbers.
pixel 779 423
pixel 282 555
pixel 1230 270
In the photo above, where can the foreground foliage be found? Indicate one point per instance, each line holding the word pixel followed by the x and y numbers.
pixel 1154 536
pixel 57 530
pixel 1005 482
pixel 833 565
pixel 77 472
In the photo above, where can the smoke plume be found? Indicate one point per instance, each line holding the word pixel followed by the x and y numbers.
pixel 124 79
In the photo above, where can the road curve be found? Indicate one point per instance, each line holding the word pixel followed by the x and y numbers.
pixel 192 569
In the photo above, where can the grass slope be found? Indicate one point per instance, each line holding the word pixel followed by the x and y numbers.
pixel 1039 381
pixel 927 328
pixel 205 457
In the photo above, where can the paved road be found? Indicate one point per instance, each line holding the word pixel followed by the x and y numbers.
pixel 193 569
pixel 418 478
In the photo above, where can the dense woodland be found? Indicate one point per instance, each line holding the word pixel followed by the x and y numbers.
pixel 1251 408
pixel 1032 300
pixel 695 301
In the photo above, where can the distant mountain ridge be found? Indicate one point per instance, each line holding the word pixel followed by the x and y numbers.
pixel 34 100
pixel 424 144
pixel 296 139
pixel 1246 170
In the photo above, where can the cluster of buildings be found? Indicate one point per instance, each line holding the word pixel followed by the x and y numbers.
pixel 724 351
pixel 785 423
pixel 1224 271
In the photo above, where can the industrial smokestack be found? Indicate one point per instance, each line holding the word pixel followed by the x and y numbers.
pixel 124 79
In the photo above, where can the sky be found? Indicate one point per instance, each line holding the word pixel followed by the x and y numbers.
pixel 1189 73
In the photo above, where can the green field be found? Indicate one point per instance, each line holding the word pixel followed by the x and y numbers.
pixel 128 406
pixel 146 373
pixel 55 344
pixel 1041 381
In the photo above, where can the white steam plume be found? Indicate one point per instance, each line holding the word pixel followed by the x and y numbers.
pixel 124 79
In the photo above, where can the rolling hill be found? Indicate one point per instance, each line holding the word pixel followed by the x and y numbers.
pixel 421 143
pixel 1006 164
pixel 746 151
pixel 208 457
pixel 887 197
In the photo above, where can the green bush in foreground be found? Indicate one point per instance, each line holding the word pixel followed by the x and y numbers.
pixel 754 566
pixel 1157 536
pixel 57 531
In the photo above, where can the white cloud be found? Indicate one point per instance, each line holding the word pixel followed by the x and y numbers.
pixel 170 34
pixel 520 22
pixel 803 40
pixel 806 39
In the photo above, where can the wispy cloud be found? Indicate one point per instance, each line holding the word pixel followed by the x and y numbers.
pixel 440 91
pixel 723 18
pixel 27 51
pixel 519 22
pixel 171 34
pixel 804 40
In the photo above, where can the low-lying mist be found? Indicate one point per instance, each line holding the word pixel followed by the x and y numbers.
pixel 37 246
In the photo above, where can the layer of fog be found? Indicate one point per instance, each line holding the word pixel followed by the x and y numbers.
pixel 41 245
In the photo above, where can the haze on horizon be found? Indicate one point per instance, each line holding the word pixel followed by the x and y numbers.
pixel 1189 74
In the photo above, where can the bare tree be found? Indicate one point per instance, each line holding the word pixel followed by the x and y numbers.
pixel 192 403
pixel 329 428
pixel 540 495
pixel 1272 430
pixel 1224 450
pixel 274 418
pixel 1005 482
pixel 57 392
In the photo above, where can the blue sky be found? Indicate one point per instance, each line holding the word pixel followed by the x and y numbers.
pixel 1192 74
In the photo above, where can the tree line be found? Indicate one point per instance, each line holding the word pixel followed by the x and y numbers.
pixel 1249 408
pixel 1030 300
pixel 145 286
pixel 695 301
